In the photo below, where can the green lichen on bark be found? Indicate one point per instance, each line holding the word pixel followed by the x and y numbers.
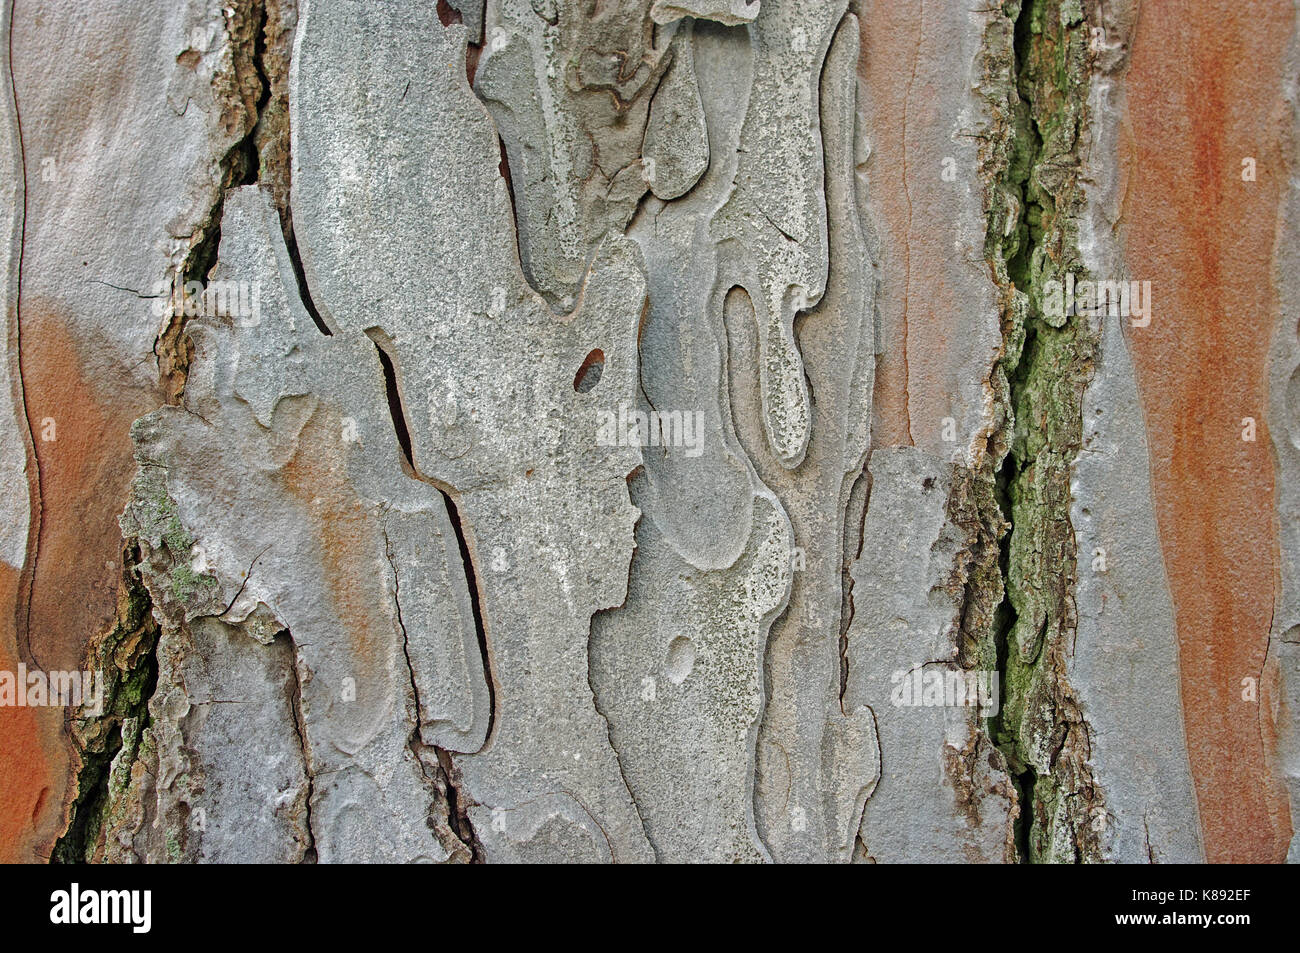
pixel 152 518
pixel 974 507
pixel 108 742
pixel 159 581
pixel 1041 84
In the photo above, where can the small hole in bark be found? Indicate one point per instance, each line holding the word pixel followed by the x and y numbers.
pixel 588 375
pixel 680 661
pixel 447 14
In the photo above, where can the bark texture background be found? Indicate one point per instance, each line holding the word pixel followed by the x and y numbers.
pixel 538 430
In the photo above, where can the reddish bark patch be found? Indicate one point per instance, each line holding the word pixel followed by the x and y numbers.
pixel 1204 92
pixel 878 67
pixel 81 433
pixel 33 762
pixel 348 538
pixel 920 316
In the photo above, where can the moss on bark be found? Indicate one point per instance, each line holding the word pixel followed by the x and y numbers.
pixel 1035 203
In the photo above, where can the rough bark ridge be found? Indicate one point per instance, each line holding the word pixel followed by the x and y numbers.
pixel 530 430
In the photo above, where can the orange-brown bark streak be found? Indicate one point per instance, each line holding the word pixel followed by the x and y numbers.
pixel 1204 92
pixel 27 736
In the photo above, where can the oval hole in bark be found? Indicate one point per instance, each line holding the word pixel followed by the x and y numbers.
pixel 588 375
pixel 680 661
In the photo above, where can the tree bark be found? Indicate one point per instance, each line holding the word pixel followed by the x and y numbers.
pixel 784 431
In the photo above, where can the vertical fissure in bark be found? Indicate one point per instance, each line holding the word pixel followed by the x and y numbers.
pixel 126 656
pixel 1033 238
pixel 304 746
pixel 397 411
pixel 445 799
pixel 855 516
pixel 458 804
pixel 300 277
pixel 246 96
